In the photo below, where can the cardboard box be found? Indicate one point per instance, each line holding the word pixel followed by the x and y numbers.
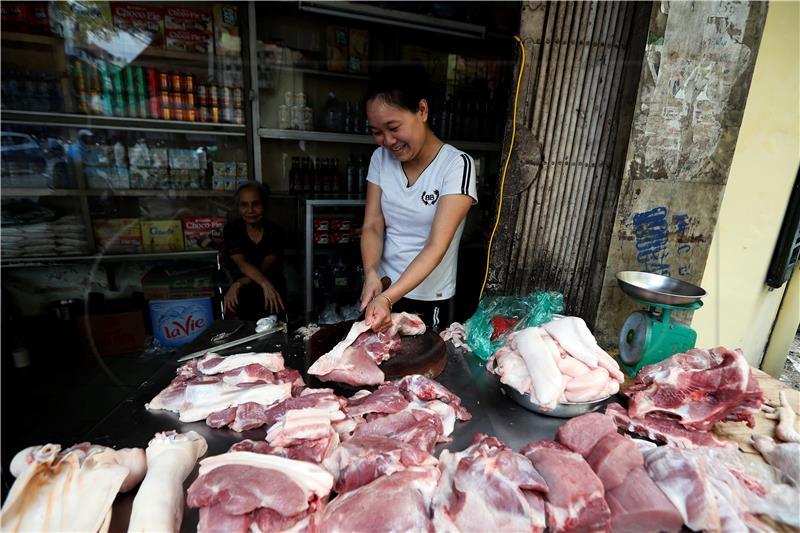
pixel 227 40
pixel 189 41
pixel 159 284
pixel 337 48
pixel 162 236
pixel 118 235
pixel 177 17
pixel 359 51
pixel 203 233
pixel 140 18
pixel 112 334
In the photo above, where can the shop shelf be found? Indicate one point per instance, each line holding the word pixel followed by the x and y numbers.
pixel 168 193
pixel 103 258
pixel 324 136
pixel 71 120
pixel 320 73
pixel 23 192
pixel 30 38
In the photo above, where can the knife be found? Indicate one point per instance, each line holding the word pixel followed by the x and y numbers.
pixel 231 344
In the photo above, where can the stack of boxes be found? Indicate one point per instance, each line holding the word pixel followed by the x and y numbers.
pixel 228 176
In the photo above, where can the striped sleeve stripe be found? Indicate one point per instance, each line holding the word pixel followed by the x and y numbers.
pixel 465 177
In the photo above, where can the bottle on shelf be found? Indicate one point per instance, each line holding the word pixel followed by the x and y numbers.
pixel 333 114
pixel 293 173
pixel 351 173
pixel 308 176
pixel 322 177
pixel 336 176
pixel 363 168
pixel 349 118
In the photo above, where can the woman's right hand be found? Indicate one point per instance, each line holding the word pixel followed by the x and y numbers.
pixel 272 300
pixel 372 288
pixel 231 299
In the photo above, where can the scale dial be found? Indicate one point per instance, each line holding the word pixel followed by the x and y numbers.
pixel 633 337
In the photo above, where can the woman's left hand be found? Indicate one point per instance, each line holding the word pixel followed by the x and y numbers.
pixel 378 315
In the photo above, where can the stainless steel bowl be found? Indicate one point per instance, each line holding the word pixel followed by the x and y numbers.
pixel 561 410
pixel 658 289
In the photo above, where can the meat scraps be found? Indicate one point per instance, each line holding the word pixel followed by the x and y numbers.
pixel 237 490
pixel 214 383
pixel 697 388
pixel 355 360
pixel 488 487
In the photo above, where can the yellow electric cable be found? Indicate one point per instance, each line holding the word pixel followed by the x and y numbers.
pixel 505 167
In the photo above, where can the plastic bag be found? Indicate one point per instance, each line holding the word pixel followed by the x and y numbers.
pixel 497 316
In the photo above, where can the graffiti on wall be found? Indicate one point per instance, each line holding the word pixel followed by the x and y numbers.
pixel 653 232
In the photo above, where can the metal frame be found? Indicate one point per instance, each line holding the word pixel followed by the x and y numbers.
pixel 324 136
pixel 309 262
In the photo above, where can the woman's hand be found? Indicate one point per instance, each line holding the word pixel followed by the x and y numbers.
pixel 378 315
pixel 231 299
pixel 372 288
pixel 272 300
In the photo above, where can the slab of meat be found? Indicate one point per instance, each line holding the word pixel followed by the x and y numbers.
pixel 360 460
pixel 511 368
pixel 69 490
pixel 697 388
pixel 613 457
pixel 488 487
pixel 575 497
pixel 239 489
pixel 309 428
pixel 253 415
pixel 664 430
pixel 158 505
pixel 639 506
pixel 398 502
pixel 213 363
pixel 581 433
pixel 422 389
pixel 355 360
pixel 416 426
pixel 684 481
pixel 387 399
pixel 214 384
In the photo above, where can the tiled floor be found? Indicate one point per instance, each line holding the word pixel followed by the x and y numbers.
pixel 60 401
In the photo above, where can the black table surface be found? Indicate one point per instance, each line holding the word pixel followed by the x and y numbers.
pixel 131 425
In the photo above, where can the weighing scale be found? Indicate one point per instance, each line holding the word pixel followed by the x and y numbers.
pixel 648 336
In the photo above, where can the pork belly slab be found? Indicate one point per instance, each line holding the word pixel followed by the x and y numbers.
pixel 239 490
pixel 355 359
pixel 639 506
pixel 214 384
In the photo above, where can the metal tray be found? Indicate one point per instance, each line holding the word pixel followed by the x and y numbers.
pixel 562 410
pixel 657 289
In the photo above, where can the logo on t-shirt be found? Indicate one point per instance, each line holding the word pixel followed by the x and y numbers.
pixel 430 198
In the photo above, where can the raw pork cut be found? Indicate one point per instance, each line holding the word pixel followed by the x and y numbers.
pixel 309 428
pixel 574 336
pixel 253 415
pixel 581 433
pixel 698 388
pixel 158 505
pixel 613 457
pixel 360 460
pixel 488 487
pixel 387 399
pixel 355 360
pixel 239 490
pixel 575 497
pixel 214 383
pixel 420 389
pixel 639 506
pixel 664 430
pixel 685 483
pixel 511 368
pixel 416 426
pixel 399 502
pixel 69 490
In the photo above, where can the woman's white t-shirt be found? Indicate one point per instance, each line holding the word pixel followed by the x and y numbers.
pixel 408 214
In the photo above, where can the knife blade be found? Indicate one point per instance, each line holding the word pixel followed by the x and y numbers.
pixel 231 344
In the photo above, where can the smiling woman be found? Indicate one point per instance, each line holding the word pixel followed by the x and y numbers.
pixel 418 194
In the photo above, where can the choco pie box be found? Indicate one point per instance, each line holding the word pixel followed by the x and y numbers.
pixel 203 233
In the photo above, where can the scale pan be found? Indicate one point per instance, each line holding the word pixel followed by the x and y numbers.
pixel 657 289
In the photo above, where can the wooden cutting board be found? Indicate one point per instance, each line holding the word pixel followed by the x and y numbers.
pixel 424 354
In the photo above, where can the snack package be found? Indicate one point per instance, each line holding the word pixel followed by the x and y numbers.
pixel 162 236
pixel 203 233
